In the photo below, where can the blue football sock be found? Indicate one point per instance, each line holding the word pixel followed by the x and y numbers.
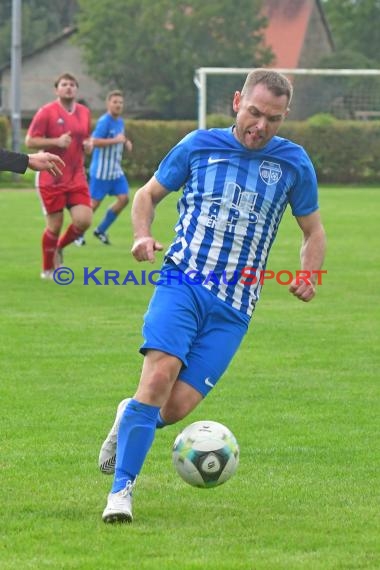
pixel 108 219
pixel 134 439
pixel 160 422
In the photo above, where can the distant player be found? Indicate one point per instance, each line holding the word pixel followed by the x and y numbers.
pixel 106 173
pixel 63 125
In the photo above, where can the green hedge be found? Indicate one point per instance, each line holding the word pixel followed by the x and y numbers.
pixel 345 152
pixel 151 141
pixel 342 151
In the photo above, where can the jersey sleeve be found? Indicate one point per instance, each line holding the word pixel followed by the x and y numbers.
pixel 303 197
pixel 101 129
pixel 39 125
pixel 174 169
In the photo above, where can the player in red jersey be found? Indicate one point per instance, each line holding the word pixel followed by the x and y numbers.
pixel 64 125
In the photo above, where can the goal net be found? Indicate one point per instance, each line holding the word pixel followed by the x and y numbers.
pixel 352 94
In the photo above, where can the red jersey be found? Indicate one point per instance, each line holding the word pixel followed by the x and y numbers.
pixel 53 120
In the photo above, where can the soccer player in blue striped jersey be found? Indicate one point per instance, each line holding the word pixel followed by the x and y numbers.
pixel 236 184
pixel 106 174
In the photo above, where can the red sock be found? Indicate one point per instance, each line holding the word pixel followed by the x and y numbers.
pixel 49 245
pixel 70 235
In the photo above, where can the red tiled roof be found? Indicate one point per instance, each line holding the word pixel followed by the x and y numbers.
pixel 287 26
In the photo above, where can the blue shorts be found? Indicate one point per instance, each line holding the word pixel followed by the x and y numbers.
pixel 191 323
pixel 99 189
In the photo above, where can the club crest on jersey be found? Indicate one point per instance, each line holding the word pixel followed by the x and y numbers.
pixel 270 172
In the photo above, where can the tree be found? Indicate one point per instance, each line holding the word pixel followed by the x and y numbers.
pixel 356 33
pixel 355 26
pixel 152 48
pixel 41 21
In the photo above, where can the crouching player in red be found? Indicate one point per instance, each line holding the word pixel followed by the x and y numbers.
pixel 63 126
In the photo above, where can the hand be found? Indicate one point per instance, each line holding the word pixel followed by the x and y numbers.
pixel 143 249
pixel 64 141
pixel 128 145
pixel 46 161
pixel 120 138
pixel 304 290
pixel 88 145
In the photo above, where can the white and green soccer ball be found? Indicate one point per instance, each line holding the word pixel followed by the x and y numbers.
pixel 206 454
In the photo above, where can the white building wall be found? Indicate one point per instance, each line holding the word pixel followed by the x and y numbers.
pixel 38 74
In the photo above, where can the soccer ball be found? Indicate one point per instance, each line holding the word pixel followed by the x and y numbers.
pixel 206 454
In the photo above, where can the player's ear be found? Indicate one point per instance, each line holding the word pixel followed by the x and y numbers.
pixel 236 101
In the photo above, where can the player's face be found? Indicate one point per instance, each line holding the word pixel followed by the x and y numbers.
pixel 67 90
pixel 115 105
pixel 259 116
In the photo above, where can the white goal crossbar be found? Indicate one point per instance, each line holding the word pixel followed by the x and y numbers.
pixel 200 80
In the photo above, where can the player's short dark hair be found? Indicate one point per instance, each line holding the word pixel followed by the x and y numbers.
pixel 114 93
pixel 274 81
pixel 66 76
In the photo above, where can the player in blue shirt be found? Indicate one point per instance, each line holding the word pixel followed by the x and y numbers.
pixel 106 173
pixel 236 185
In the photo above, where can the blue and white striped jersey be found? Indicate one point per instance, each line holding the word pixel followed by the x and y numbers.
pixel 106 161
pixel 232 204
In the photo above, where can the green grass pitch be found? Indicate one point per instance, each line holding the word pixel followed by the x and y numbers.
pixel 301 396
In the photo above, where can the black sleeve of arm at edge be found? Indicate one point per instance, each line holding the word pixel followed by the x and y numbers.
pixel 13 161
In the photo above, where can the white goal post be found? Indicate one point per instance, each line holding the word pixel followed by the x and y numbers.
pixel 203 73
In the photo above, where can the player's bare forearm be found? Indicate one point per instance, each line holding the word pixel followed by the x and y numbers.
pixel 101 143
pixel 143 207
pixel 42 143
pixel 142 214
pixel 120 138
pixel 144 244
pixel 312 257
pixel 143 210
pixel 313 252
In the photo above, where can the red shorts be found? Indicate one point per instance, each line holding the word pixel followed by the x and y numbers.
pixel 55 198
